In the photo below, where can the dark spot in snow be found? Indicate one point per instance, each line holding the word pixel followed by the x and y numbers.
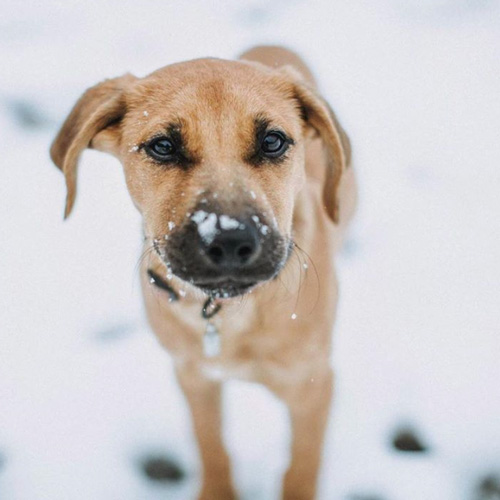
pixel 162 469
pixel 27 115
pixel 488 488
pixel 114 332
pixel 406 440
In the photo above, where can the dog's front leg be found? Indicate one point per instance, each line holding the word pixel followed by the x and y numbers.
pixel 309 405
pixel 204 399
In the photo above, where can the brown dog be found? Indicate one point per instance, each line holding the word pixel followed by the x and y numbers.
pixel 242 175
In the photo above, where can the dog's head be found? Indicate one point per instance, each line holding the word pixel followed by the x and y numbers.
pixel 213 153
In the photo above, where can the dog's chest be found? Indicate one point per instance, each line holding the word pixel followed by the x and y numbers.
pixel 215 370
pixel 255 355
pixel 237 358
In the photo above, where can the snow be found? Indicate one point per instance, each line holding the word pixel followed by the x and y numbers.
pixel 227 223
pixel 207 225
pixel 86 390
pixel 264 229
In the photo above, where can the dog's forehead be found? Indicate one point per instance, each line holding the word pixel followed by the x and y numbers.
pixel 215 89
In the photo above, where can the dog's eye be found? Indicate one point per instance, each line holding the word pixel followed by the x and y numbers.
pixel 161 149
pixel 274 144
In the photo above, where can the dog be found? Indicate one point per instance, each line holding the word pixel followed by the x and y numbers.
pixel 243 176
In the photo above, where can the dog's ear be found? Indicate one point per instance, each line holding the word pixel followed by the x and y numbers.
pixel 318 114
pixel 93 122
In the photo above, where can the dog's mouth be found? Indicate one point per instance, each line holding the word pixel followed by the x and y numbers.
pixel 226 288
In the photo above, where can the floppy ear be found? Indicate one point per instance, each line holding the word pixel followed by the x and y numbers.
pixel 320 116
pixel 93 122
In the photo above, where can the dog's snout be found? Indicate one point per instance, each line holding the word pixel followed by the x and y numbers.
pixel 223 253
pixel 233 248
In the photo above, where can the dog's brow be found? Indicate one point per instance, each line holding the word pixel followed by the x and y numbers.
pixel 262 124
pixel 173 131
pixel 170 128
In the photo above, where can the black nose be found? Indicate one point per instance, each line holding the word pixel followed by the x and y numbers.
pixel 233 248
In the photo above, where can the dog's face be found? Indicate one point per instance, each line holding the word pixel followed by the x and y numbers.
pixel 213 153
pixel 214 164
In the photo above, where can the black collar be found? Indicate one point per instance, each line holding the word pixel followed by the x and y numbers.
pixel 210 307
pixel 158 281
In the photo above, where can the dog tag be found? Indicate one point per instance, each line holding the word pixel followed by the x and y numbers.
pixel 211 341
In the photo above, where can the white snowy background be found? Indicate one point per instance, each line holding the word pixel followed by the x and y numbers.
pixel 87 396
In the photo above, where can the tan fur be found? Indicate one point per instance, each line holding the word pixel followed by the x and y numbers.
pixel 311 196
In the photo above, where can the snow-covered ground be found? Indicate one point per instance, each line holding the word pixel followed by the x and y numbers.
pixel 86 393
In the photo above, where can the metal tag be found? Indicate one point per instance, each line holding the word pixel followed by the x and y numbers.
pixel 211 341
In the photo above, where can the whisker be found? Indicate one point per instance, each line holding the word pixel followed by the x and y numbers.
pixel 146 253
pixel 300 276
pixel 313 265
pixel 136 274
pixel 282 279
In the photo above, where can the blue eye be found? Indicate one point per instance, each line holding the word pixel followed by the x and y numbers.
pixel 274 144
pixel 161 149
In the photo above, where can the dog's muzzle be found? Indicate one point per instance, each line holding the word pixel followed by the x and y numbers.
pixel 225 255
